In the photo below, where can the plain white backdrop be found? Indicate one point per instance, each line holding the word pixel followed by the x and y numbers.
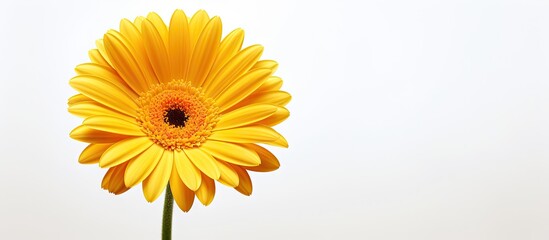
pixel 410 120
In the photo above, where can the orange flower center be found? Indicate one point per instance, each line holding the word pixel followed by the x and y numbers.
pixel 176 115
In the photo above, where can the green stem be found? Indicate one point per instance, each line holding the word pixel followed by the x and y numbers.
pixel 167 216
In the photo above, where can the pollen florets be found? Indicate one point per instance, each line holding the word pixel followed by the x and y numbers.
pixel 176 115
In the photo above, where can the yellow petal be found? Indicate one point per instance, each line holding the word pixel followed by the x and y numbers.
pixel 125 62
pixel 190 175
pixel 251 134
pixel 269 162
pixel 179 43
pixel 230 45
pixel 131 36
pixel 270 64
pixel 203 161
pixel 206 192
pixel 196 25
pixel 159 25
pixel 277 98
pixel 115 181
pixel 205 51
pixel 107 178
pixel 279 116
pixel 156 50
pixel 92 108
pixel 131 32
pixel 241 88
pixel 280 142
pixel 245 116
pixel 105 93
pixel 245 185
pixel 138 21
pixel 106 73
pixel 158 179
pixel 233 69
pixel 79 98
pixel 231 153
pixel 229 176
pixel 142 165
pixel 271 84
pixel 114 125
pixel 182 195
pixel 92 153
pixel 85 134
pixel 95 57
pixel 124 150
pixel 101 48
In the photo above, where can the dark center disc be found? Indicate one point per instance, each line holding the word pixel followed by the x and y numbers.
pixel 176 117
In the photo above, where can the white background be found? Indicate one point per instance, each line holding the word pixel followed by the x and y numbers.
pixel 410 120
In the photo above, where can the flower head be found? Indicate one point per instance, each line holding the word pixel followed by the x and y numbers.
pixel 178 104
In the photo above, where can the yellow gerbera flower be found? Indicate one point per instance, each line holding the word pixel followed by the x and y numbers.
pixel 177 104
